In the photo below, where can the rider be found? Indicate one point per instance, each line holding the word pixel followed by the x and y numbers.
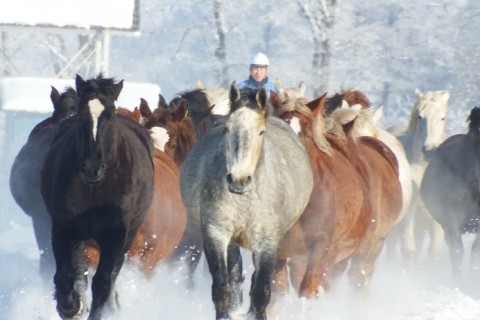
pixel 258 74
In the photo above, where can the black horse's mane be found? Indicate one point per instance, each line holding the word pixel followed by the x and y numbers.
pixel 198 104
pixel 98 87
pixel 248 98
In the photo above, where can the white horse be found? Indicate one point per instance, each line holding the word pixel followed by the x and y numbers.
pixel 367 123
pixel 291 92
pixel 425 132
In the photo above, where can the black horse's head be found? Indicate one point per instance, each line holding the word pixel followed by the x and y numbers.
pixel 96 111
pixel 199 109
pixel 474 123
pixel 65 104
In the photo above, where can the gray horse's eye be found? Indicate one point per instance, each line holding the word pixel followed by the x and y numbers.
pixel 262 132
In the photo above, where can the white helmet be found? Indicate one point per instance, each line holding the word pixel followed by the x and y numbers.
pixel 260 59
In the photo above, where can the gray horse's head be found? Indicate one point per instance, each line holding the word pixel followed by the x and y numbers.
pixel 244 134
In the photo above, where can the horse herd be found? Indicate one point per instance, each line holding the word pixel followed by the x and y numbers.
pixel 312 188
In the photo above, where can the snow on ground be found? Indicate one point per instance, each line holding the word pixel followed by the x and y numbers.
pixel 425 294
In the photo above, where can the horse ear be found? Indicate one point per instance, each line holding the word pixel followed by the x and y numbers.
pixel 318 105
pixel 280 90
pixel 200 85
pixel 180 111
pixel 117 89
pixel 302 88
pixel 161 102
pixel 144 108
pixel 234 94
pixel 278 86
pixel 135 114
pixel 262 97
pixel 55 97
pixel 445 95
pixel 79 82
pixel 275 99
pixel 377 115
pixel 418 93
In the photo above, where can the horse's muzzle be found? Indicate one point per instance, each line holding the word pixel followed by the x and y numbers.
pixel 238 186
pixel 92 173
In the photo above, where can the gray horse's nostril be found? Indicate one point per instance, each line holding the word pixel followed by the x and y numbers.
pixel 229 178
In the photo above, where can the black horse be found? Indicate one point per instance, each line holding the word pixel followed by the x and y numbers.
pixel 199 109
pixel 451 189
pixel 97 184
pixel 25 173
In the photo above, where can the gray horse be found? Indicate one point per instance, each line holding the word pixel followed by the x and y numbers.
pixel 246 181
pixel 451 190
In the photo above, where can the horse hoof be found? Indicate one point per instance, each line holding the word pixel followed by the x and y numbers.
pixel 72 308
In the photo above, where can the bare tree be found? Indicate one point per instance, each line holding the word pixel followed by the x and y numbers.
pixel 220 51
pixel 320 15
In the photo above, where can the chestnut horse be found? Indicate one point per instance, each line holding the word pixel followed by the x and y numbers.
pixel 164 223
pixel 97 183
pixel 378 167
pixel 332 226
pixel 25 174
pixel 368 123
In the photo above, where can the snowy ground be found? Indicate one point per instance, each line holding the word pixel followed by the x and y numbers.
pixel 424 294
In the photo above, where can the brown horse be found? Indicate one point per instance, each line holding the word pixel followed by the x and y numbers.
pixel 378 166
pixel 182 135
pixel 336 218
pixel 164 223
pixel 178 125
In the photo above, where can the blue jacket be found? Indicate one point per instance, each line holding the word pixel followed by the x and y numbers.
pixel 252 84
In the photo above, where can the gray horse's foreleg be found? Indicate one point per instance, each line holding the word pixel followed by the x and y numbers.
pixel 455 246
pixel 215 252
pixel 235 275
pixel 265 261
pixel 475 254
